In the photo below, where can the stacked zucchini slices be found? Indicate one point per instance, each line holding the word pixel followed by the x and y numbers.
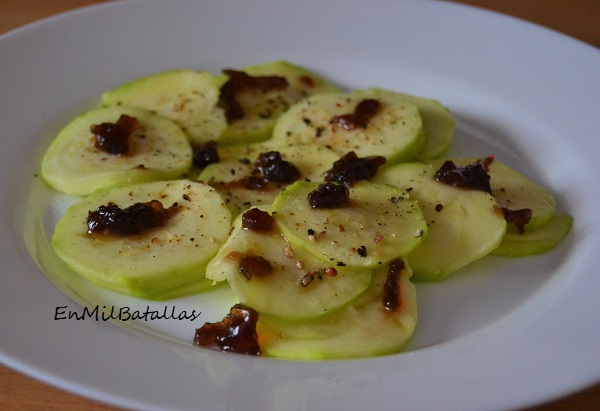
pixel 319 208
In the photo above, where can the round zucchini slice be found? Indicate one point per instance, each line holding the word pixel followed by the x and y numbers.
pixel 464 224
pixel 158 150
pixel 367 123
pixel 159 262
pixel 377 224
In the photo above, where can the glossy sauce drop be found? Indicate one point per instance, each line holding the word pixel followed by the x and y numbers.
pixel 236 333
pixel 110 219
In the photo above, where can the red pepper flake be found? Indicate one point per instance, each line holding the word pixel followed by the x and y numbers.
pixel 288 251
pixel 236 333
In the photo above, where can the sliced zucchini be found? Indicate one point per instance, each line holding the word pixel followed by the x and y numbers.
pixel 237 163
pixel 515 191
pixel 377 225
pixel 187 97
pixel 393 129
pixel 158 150
pixel 464 225
pixel 536 241
pixel 364 328
pixel 157 263
pixel 262 107
pixel 299 284
pixel 438 123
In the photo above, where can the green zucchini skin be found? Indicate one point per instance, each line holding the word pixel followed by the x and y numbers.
pixel 538 241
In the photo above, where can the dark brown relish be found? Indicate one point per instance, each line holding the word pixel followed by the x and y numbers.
pixel 364 111
pixel 205 155
pixel 236 333
pixel 272 167
pixel 270 172
pixel 254 265
pixel 517 217
pixel 257 220
pixel 111 220
pixel 350 169
pixel 250 182
pixel 113 138
pixel 240 81
pixel 329 195
pixel 391 289
pixel 473 176
pixel 307 82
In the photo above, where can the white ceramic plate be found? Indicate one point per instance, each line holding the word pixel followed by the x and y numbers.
pixel 500 334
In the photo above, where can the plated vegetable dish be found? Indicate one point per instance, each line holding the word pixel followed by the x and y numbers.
pixel 319 207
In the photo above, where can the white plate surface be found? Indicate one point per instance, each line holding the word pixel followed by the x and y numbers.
pixel 503 333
